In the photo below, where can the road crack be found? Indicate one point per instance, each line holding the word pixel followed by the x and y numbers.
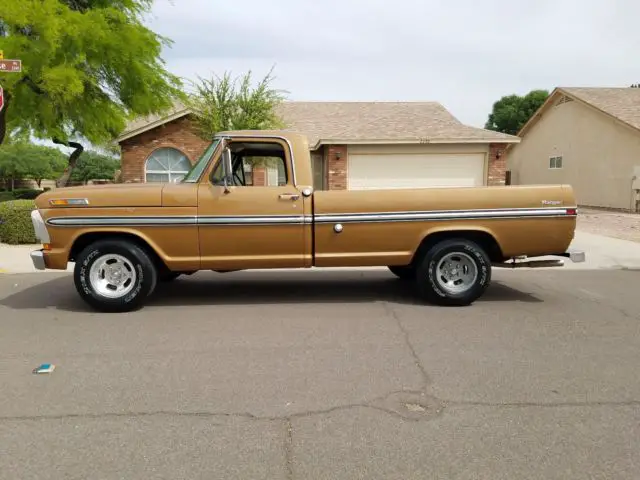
pixel 288 448
pixel 405 334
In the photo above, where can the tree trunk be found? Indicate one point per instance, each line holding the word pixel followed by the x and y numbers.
pixel 73 159
pixel 3 117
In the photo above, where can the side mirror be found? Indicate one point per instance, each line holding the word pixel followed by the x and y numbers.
pixel 227 169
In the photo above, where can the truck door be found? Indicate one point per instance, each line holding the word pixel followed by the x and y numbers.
pixel 261 220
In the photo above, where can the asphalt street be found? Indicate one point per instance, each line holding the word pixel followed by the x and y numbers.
pixel 323 375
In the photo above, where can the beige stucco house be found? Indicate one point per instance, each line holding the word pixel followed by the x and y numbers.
pixel 353 145
pixel 588 138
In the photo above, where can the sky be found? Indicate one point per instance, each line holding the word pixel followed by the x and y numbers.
pixel 464 54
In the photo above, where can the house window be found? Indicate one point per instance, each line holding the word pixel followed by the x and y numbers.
pixel 555 162
pixel 166 165
pixel 319 172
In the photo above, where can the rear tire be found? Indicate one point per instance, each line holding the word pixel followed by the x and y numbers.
pixel 404 272
pixel 454 272
pixel 114 275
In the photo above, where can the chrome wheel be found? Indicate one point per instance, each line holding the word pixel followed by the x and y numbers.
pixel 456 272
pixel 112 276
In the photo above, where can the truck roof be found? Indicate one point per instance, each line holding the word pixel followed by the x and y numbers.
pixel 292 137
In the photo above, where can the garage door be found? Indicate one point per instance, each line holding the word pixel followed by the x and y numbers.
pixel 366 172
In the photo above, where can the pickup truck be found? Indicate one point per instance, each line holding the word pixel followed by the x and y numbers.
pixel 124 238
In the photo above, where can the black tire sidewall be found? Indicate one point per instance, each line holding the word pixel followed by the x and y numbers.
pixel 426 272
pixel 146 275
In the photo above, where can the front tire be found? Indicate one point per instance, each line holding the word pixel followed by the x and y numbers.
pixel 454 272
pixel 114 275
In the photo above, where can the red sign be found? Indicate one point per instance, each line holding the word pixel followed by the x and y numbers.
pixel 13 66
pixel 1 99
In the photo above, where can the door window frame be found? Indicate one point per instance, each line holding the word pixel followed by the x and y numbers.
pixel 207 176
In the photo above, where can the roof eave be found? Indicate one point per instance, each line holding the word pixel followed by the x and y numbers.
pixel 150 126
pixel 538 113
pixel 409 141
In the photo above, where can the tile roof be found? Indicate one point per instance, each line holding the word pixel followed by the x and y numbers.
pixel 622 103
pixel 346 122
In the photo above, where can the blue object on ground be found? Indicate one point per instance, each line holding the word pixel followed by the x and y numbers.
pixel 44 368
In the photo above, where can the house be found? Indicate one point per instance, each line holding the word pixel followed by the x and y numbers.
pixel 588 138
pixel 353 145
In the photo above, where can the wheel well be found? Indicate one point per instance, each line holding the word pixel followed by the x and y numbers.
pixel 484 239
pixel 87 239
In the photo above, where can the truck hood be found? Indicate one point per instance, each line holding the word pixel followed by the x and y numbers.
pixel 112 195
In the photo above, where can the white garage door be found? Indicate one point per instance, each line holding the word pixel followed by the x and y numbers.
pixel 367 172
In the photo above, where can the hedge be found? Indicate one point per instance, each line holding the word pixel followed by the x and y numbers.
pixel 20 194
pixel 27 193
pixel 15 222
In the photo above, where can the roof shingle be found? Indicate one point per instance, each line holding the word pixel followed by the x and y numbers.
pixel 379 121
pixel 622 103
pixel 331 122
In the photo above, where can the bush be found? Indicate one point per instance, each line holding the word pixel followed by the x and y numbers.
pixel 6 196
pixel 26 193
pixel 15 222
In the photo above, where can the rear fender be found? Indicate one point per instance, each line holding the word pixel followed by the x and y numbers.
pixel 485 237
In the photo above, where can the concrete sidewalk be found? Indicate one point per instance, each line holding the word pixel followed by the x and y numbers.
pixel 601 252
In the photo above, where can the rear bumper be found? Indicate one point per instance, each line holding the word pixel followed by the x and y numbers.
pixel 37 257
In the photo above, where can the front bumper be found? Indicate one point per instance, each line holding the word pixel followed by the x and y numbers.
pixel 37 257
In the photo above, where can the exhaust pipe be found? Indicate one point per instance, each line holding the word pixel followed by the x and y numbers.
pixel 531 264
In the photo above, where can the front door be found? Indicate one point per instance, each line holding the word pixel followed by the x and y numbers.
pixel 258 221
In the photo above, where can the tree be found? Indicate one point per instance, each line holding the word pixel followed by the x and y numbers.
pixel 88 67
pixel 95 166
pixel 218 104
pixel 511 112
pixel 635 85
pixel 27 160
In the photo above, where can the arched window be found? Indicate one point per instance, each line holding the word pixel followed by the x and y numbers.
pixel 166 165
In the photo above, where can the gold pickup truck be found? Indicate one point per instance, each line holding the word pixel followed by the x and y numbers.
pixel 126 238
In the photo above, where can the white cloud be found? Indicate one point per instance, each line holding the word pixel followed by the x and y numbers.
pixel 463 53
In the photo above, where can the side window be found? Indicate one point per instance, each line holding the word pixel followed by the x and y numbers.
pixel 255 164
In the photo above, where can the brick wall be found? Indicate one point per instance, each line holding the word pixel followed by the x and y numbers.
pixel 178 134
pixel 336 167
pixel 259 176
pixel 497 166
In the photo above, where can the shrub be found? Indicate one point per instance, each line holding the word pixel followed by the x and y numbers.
pixel 26 193
pixel 15 222
pixel 6 196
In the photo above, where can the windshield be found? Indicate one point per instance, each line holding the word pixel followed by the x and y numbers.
pixel 199 167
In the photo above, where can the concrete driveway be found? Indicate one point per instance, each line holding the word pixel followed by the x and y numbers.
pixel 324 375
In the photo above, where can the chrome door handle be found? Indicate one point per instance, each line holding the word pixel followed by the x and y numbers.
pixel 289 196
